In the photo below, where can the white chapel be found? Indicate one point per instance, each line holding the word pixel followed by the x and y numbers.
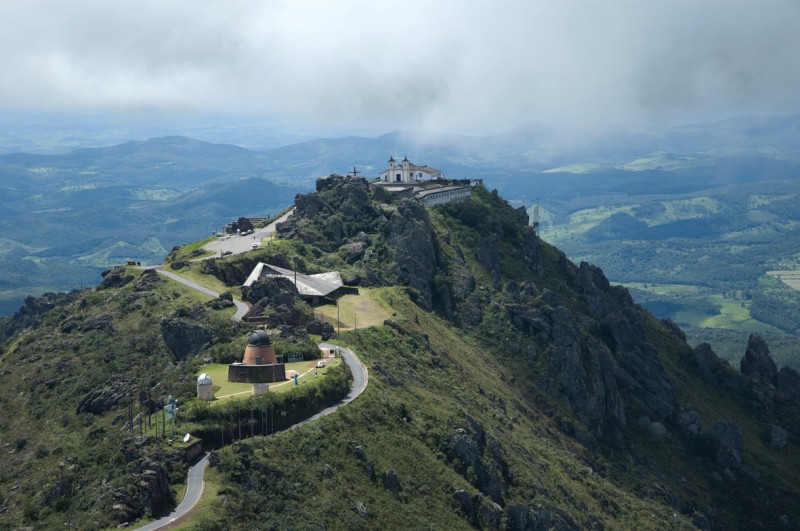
pixel 406 172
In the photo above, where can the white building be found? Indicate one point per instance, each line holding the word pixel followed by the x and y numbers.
pixel 205 387
pixel 405 172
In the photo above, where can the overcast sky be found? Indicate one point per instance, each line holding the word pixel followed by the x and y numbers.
pixel 457 66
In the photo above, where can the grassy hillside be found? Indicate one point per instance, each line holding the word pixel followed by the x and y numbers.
pixel 509 427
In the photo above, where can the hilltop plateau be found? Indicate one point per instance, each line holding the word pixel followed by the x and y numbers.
pixel 509 389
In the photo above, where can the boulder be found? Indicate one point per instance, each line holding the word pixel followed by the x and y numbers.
pixel 464 501
pixel 184 338
pixel 727 433
pixel 729 444
pixel 390 481
pixel 213 458
pixel 491 513
pixel 153 486
pixel 320 328
pixel 777 436
pixel 361 510
pixel 687 419
pixel 788 384
pixel 115 277
pixel 757 364
pixel 274 291
pixel 352 252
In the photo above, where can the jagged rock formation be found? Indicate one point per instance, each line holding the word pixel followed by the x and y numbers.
pixel 409 241
pixel 184 337
pixel 757 364
pixel 115 277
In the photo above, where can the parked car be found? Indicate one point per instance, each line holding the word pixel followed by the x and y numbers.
pixel 255 246
pixel 226 253
pixel 320 364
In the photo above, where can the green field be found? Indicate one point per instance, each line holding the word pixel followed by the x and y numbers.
pixel 699 307
pixel 790 278
pixel 357 311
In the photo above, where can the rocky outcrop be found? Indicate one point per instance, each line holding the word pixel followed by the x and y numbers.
pixel 584 372
pixel 489 255
pixel 788 384
pixel 340 208
pixel 522 517
pixel 729 443
pixel 409 239
pixel 757 364
pixel 597 359
pixel 153 485
pixel 642 373
pixel 148 281
pixel 278 300
pixel 99 322
pixel 277 291
pixel 115 277
pixel 624 331
pixel 184 338
pixel 33 309
pixel 104 397
pixel 717 371
pixel 777 436
pixel 353 252
pixel 479 458
pixel 320 328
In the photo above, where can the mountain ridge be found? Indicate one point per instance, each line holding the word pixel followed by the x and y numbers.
pixel 531 392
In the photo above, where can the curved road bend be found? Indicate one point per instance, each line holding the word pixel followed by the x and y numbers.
pixel 360 380
pixel 241 307
pixel 194 490
pixel 194 480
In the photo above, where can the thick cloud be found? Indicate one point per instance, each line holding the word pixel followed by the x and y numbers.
pixel 460 65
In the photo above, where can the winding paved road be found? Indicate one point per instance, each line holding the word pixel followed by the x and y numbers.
pixel 241 307
pixel 194 481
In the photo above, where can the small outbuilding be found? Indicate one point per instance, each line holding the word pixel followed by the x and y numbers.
pixel 205 387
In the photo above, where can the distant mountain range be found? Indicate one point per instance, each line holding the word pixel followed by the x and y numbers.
pixel 65 218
